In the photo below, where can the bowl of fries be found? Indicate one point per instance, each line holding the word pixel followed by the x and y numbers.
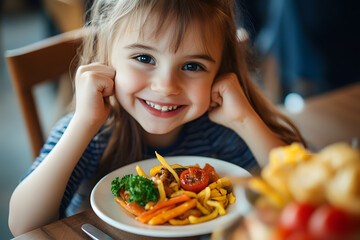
pixel 304 195
pixel 219 202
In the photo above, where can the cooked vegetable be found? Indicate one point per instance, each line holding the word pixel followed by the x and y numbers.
pixel 141 172
pixel 163 162
pixel 201 195
pixel 194 179
pixel 210 170
pixel 141 190
pixel 131 207
pixel 177 211
pixel 316 222
pixel 172 201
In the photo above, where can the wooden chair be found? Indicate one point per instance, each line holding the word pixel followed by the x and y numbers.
pixel 37 63
pixel 68 15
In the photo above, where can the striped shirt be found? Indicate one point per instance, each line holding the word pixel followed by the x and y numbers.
pixel 200 137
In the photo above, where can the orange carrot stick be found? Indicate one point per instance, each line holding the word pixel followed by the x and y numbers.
pixel 147 218
pixel 131 207
pixel 171 201
pixel 172 213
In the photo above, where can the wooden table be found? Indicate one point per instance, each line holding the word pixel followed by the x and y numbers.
pixel 326 119
pixel 70 228
pixel 331 117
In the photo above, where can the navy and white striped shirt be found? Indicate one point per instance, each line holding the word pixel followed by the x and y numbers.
pixel 200 137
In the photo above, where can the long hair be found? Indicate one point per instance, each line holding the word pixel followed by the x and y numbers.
pixel 110 17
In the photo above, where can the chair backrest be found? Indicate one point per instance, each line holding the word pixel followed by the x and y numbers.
pixel 40 62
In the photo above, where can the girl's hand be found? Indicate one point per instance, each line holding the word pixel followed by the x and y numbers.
pixel 229 105
pixel 94 83
pixel 230 108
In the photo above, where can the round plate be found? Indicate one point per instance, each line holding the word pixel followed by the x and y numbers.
pixel 103 204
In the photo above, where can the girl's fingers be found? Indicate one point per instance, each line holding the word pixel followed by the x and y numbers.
pixel 99 75
pixel 94 85
pixel 99 68
pixel 216 99
pixel 106 86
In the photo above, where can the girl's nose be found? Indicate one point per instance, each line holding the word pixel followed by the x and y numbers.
pixel 166 84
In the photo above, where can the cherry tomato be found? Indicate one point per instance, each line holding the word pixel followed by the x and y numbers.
pixel 283 234
pixel 295 216
pixel 329 222
pixel 210 170
pixel 194 179
pixel 300 235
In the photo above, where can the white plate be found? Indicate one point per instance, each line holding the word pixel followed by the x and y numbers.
pixel 103 204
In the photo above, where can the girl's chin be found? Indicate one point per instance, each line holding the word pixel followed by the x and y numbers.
pixel 157 131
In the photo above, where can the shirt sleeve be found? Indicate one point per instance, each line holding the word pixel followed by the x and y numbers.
pixel 86 166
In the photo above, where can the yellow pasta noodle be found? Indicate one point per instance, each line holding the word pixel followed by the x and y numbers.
pixel 206 218
pixel 217 205
pixel 179 222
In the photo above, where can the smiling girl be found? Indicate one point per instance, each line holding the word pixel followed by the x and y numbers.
pixel 165 75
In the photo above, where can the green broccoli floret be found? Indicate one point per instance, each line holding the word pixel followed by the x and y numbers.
pixel 141 189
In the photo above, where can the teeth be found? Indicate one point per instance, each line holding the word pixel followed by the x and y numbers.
pixel 161 108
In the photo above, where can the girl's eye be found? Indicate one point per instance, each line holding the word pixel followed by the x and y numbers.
pixel 193 67
pixel 145 59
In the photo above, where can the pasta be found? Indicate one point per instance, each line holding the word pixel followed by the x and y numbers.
pixel 178 206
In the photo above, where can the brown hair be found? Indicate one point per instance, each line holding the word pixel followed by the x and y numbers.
pixel 108 17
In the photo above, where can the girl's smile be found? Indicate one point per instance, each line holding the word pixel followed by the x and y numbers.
pixel 162 109
pixel 162 87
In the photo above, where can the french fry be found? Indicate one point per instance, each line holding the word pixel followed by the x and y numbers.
pixel 163 162
pixel 172 213
pixel 194 220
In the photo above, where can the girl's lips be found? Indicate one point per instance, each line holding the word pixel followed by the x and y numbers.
pixel 162 110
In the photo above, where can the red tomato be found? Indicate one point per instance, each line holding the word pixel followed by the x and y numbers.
pixel 329 222
pixel 284 234
pixel 194 179
pixel 210 170
pixel 295 216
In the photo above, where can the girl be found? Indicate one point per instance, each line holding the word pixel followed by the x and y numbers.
pixel 157 75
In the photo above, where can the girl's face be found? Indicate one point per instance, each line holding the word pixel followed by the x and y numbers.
pixel 162 88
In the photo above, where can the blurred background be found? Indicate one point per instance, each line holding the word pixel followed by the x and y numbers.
pixel 302 48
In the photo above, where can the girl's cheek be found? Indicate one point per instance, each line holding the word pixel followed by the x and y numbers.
pixel 129 81
pixel 201 95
